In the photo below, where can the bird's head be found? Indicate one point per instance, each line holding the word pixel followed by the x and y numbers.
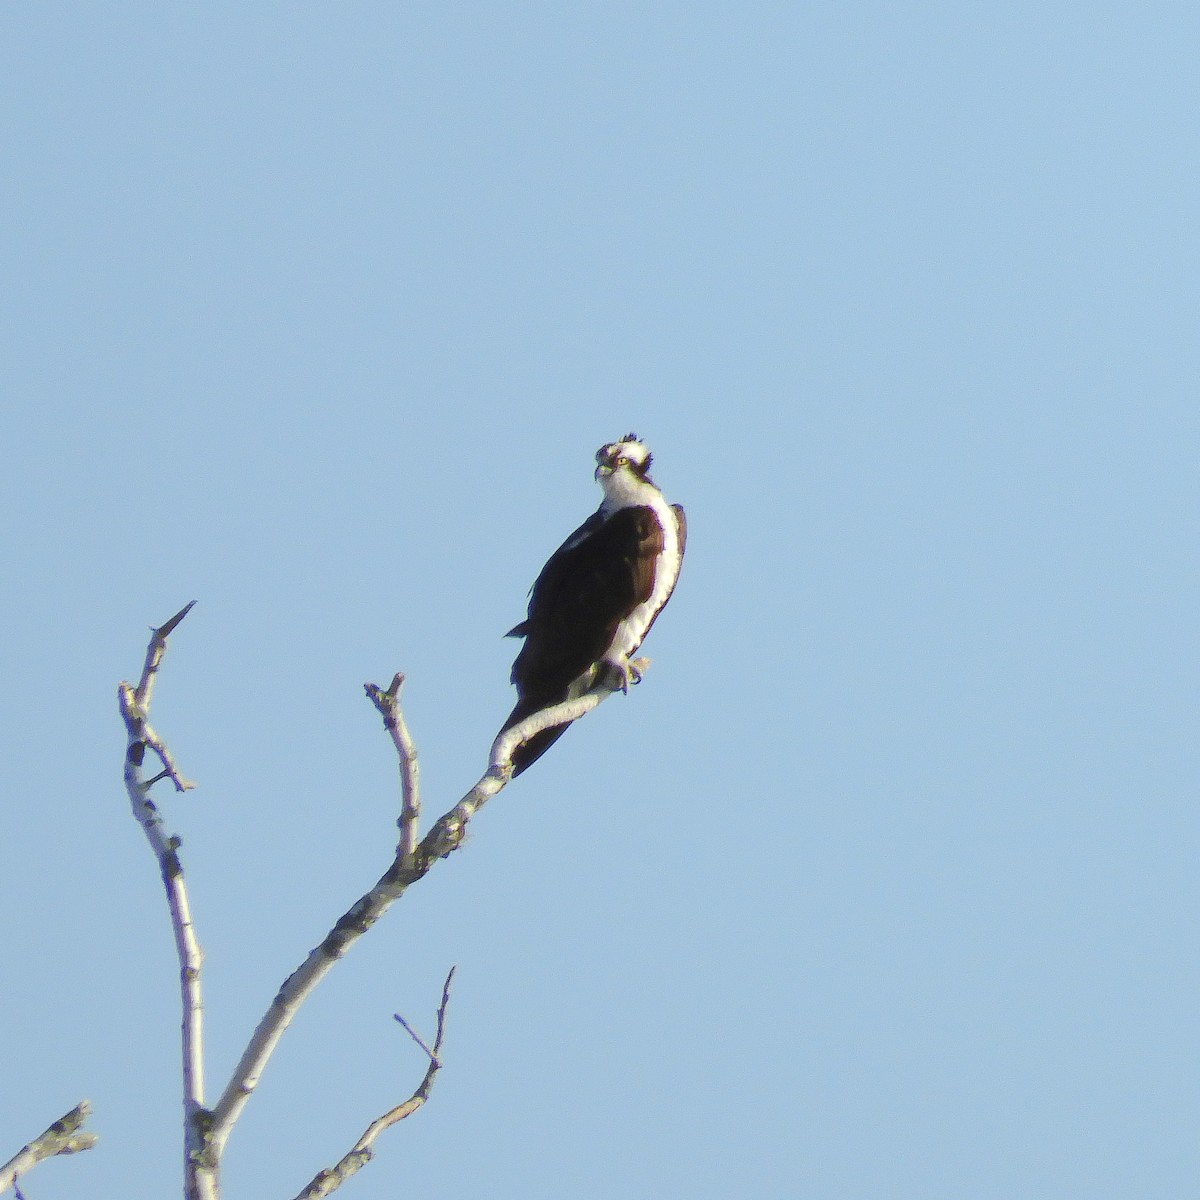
pixel 630 455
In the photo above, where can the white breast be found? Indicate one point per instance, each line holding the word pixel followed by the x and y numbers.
pixel 633 629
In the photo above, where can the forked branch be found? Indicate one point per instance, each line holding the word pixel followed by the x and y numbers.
pixel 445 836
pixel 328 1181
pixel 63 1137
pixel 208 1131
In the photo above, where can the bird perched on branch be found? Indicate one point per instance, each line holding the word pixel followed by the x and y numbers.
pixel 597 597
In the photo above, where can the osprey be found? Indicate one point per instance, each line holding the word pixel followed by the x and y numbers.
pixel 597 597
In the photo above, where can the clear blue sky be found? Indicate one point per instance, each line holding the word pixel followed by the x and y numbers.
pixel 884 883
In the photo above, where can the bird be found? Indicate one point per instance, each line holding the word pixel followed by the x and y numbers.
pixel 598 594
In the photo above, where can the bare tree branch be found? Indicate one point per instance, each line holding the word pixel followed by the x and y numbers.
pixel 388 704
pixel 328 1181
pixel 445 837
pixel 63 1137
pixel 207 1132
pixel 200 1181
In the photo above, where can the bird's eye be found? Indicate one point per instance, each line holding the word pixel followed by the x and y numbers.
pixel 622 461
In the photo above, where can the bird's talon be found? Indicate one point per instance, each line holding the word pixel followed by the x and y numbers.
pixel 625 674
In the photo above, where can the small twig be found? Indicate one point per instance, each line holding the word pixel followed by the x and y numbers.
pixel 170 771
pixel 388 704
pixel 135 706
pixel 155 651
pixel 63 1137
pixel 328 1181
pixel 416 1037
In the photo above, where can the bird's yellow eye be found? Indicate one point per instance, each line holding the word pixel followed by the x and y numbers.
pixel 622 461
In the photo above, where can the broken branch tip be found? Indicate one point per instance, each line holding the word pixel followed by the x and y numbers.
pixel 165 631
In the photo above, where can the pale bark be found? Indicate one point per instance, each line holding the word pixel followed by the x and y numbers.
pixel 206 1132
pixel 63 1137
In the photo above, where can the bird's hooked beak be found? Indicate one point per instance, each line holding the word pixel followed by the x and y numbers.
pixel 609 459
